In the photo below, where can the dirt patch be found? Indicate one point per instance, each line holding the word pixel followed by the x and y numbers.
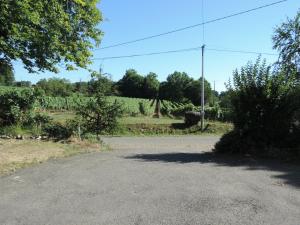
pixel 16 154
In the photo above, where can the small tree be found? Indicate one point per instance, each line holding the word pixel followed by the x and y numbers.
pixel 98 115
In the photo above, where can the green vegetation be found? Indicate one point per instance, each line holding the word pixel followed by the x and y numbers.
pixel 262 102
pixel 63 122
pixel 170 127
pixel 7 76
pixel 43 34
pixel 16 107
pixel 98 116
pixel 264 106
pixel 55 87
pixel 287 41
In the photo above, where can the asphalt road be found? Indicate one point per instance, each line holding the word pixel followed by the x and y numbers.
pixel 153 181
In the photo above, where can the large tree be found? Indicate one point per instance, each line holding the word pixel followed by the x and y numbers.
pixel 131 85
pixel 44 34
pixel 287 41
pixel 193 91
pixel 150 86
pixel 174 88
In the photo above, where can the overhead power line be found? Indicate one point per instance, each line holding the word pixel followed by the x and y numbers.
pixel 183 50
pixel 192 26
pixel 148 54
pixel 241 51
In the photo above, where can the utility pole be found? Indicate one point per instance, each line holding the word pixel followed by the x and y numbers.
pixel 214 95
pixel 202 91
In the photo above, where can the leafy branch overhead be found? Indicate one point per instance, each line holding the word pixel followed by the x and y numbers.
pixel 287 40
pixel 45 34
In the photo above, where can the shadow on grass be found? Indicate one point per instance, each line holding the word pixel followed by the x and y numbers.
pixel 193 128
pixel 179 126
pixel 290 173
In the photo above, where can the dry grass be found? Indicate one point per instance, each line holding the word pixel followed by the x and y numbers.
pixel 19 154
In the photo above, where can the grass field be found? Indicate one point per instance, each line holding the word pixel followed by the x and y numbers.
pixel 147 125
pixel 63 116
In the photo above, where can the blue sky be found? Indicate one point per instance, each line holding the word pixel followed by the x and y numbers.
pixel 131 19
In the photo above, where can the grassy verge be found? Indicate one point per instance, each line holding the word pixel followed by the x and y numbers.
pixel 147 125
pixel 148 120
pixel 62 116
pixel 145 129
pixel 16 154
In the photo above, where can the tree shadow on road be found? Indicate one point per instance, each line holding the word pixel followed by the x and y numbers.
pixel 290 173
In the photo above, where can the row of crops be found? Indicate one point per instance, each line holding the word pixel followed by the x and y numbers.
pixel 131 106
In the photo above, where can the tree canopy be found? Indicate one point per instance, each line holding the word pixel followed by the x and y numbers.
pixel 44 34
pixel 179 87
pixel 131 84
pixel 55 87
pixel 175 86
pixel 287 40
pixel 150 86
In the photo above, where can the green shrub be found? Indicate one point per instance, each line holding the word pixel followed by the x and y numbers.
pixel 264 105
pixel 16 106
pixel 58 131
pixel 12 131
pixel 41 119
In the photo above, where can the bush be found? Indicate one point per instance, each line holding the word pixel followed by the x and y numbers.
pixel 58 131
pixel 12 131
pixel 41 119
pixel 16 106
pixel 264 105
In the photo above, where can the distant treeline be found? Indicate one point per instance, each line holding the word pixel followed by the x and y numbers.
pixel 178 87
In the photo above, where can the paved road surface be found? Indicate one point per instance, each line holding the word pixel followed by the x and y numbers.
pixel 153 181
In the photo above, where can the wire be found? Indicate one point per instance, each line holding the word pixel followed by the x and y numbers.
pixel 192 26
pixel 241 51
pixel 183 50
pixel 148 54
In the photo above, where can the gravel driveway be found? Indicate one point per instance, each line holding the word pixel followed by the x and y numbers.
pixel 153 181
